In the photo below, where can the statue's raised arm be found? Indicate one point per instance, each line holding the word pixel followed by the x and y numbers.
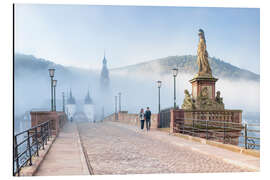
pixel 202 60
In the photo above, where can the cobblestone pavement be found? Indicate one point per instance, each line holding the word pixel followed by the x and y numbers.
pixel 115 148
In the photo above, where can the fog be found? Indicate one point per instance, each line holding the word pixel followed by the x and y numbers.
pixel 139 90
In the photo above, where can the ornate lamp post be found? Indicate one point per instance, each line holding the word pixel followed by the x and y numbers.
pixel 175 72
pixel 119 101
pixel 54 87
pixel 51 73
pixel 159 86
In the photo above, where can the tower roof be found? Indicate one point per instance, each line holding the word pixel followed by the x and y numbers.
pixel 71 99
pixel 88 99
pixel 104 76
pixel 104 59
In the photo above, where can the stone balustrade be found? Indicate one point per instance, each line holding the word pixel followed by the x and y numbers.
pixel 180 117
pixel 131 118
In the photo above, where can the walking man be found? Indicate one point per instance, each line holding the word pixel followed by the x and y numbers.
pixel 147 116
pixel 141 117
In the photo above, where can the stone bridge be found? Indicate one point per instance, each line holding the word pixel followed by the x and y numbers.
pixel 111 147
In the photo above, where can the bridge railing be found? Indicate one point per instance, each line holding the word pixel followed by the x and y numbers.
pixel 28 143
pixel 245 135
pixel 164 118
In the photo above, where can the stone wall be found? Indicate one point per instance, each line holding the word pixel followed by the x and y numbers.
pixel 109 118
pixel 132 119
pixel 58 119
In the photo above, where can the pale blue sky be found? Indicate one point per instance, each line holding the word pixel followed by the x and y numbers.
pixel 78 34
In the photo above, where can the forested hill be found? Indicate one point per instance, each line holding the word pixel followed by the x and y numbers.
pixel 28 64
pixel 188 64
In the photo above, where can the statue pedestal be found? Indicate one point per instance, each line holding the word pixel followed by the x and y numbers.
pixel 203 86
pixel 203 94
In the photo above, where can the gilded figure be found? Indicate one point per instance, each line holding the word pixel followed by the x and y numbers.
pixel 202 59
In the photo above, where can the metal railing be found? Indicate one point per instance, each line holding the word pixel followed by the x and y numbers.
pixel 165 117
pixel 28 143
pixel 245 135
pixel 252 136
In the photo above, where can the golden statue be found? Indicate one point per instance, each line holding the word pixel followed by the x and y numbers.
pixel 202 60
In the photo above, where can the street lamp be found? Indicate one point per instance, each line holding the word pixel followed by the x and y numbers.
pixel 119 101
pixel 159 86
pixel 175 72
pixel 115 107
pixel 102 113
pixel 51 73
pixel 54 87
pixel 63 94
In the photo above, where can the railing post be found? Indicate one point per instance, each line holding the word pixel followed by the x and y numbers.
pixel 183 121
pixel 49 128
pixel 246 136
pixel 224 128
pixel 47 131
pixel 16 155
pixel 192 127
pixel 206 129
pixel 51 123
pixel 29 148
pixel 46 134
pixel 168 120
pixel 36 138
pixel 42 138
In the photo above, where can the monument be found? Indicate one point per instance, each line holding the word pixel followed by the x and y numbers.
pixel 203 83
pixel 203 109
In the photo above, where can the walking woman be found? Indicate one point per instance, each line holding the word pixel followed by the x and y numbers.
pixel 141 117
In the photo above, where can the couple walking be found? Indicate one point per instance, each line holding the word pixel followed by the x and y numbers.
pixel 145 116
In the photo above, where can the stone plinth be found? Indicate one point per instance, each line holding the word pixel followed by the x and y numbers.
pixel 58 119
pixel 203 95
pixel 200 83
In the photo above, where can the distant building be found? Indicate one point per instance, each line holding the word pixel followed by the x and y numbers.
pixel 89 108
pixel 104 77
pixel 70 106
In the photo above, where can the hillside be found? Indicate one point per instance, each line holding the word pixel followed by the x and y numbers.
pixel 28 64
pixel 188 64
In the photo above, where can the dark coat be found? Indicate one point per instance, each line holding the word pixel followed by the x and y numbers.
pixel 147 114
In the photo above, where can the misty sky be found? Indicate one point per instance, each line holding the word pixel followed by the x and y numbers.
pixel 77 35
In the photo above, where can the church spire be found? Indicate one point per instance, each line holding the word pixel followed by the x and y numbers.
pixel 104 78
pixel 88 99
pixel 71 100
pixel 104 59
